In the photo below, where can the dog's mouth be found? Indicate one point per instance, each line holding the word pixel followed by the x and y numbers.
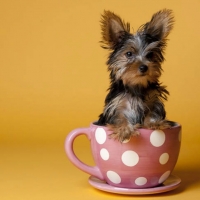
pixel 140 75
pixel 143 74
pixel 140 79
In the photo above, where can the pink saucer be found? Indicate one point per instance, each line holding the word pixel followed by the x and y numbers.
pixel 170 184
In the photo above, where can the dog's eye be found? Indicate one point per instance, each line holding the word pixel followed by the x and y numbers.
pixel 150 56
pixel 129 54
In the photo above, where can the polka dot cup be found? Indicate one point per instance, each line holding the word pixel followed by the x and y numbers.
pixel 142 162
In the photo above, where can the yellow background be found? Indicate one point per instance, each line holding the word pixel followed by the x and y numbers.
pixel 53 78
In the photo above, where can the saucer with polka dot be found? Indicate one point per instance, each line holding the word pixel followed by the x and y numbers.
pixel 170 184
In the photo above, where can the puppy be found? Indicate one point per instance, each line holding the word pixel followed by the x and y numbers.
pixel 135 96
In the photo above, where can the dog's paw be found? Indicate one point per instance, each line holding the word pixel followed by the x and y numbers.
pixel 158 125
pixel 123 132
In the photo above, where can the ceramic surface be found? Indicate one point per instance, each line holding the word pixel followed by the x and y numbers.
pixel 142 162
pixel 170 184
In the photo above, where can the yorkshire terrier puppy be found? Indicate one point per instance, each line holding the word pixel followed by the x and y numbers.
pixel 135 97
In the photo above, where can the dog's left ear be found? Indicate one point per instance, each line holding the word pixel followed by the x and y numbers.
pixel 113 29
pixel 160 25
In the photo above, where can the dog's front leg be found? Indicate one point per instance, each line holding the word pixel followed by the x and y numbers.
pixel 155 119
pixel 125 118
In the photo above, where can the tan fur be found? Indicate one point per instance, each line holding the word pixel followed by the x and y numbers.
pixel 126 129
pixel 135 97
pixel 132 76
pixel 120 108
pixel 156 125
pixel 112 27
pixel 162 20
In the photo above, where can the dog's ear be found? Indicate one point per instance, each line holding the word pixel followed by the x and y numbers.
pixel 160 25
pixel 113 29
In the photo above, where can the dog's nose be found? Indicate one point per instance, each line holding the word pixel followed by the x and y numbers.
pixel 143 68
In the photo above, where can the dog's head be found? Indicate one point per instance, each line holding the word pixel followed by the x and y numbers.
pixel 136 58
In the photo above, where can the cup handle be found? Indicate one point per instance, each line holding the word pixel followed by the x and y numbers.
pixel 94 171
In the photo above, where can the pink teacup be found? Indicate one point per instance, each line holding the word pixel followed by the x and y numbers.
pixel 142 162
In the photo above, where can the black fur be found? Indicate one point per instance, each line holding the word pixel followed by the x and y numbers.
pixel 135 96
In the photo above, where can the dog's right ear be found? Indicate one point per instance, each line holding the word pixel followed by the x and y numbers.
pixel 160 25
pixel 113 29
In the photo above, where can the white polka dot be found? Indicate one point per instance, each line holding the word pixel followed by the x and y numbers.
pixel 164 177
pixel 126 141
pixel 141 181
pixel 130 158
pixel 179 136
pixel 104 154
pixel 157 138
pixel 100 135
pixel 114 177
pixel 164 158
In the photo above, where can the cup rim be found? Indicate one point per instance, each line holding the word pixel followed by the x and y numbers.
pixel 176 125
